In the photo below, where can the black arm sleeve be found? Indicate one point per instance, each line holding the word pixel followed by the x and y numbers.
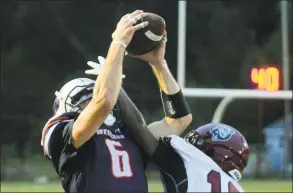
pixel 171 166
pixel 170 163
pixel 134 124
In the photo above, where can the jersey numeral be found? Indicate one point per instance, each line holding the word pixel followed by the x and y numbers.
pixel 214 178
pixel 121 167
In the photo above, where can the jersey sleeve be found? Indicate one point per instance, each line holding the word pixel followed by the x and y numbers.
pixel 57 139
pixel 174 180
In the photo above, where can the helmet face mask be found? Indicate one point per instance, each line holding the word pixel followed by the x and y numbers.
pixel 77 101
pixel 223 144
pixel 195 139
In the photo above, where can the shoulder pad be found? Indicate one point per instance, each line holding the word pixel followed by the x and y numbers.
pixel 59 118
pixel 65 117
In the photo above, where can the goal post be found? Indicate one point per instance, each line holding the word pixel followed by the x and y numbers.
pixel 236 93
pixel 181 53
pixel 229 95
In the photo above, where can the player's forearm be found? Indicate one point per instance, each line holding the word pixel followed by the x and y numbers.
pixel 105 95
pixel 165 78
pixel 109 81
pixel 178 122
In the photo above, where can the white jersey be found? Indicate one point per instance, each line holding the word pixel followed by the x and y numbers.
pixel 203 174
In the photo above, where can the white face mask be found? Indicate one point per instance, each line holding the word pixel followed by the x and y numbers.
pixel 84 104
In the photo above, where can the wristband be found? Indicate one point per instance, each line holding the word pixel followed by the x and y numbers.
pixel 121 42
pixel 175 106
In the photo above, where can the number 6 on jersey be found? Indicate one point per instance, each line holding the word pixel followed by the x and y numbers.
pixel 120 160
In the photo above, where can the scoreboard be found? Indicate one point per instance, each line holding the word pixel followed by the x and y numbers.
pixel 265 78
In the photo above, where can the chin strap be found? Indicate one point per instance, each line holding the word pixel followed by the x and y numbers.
pixel 235 174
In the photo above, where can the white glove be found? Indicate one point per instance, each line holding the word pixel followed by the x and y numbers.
pixel 97 67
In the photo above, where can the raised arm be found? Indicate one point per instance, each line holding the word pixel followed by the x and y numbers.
pixel 108 83
pixel 177 111
pixel 178 115
pixel 134 124
pixel 147 135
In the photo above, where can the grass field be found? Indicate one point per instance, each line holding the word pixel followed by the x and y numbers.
pixel 154 186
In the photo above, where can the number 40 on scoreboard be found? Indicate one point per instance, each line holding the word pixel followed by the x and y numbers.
pixel 267 79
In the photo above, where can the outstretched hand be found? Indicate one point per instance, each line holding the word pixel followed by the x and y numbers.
pixel 97 67
pixel 127 26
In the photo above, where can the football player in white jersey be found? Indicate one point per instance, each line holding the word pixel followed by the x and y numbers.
pixel 210 158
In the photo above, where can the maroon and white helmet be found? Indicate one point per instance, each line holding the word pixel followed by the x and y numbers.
pixel 224 144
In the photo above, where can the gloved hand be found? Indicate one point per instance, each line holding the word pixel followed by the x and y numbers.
pixel 97 67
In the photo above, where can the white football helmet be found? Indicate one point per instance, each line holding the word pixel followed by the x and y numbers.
pixel 73 96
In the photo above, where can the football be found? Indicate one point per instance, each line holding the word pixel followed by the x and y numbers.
pixel 148 38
